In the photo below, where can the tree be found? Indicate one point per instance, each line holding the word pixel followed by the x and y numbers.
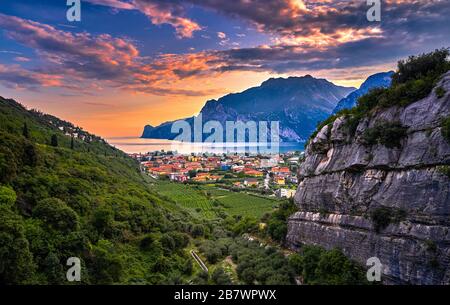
pixel 197 231
pixel 72 144
pixel 30 154
pixel 54 141
pixel 25 131
pixel 7 196
pixel 56 214
pixel 53 269
pixel 107 265
pixel 16 260
pixel 219 277
pixel 192 173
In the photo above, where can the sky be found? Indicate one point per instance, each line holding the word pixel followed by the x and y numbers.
pixel 129 63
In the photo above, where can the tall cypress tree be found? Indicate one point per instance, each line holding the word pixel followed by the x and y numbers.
pixel 72 144
pixel 54 141
pixel 25 131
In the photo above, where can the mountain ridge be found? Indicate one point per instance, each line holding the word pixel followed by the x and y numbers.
pixel 302 102
pixel 378 80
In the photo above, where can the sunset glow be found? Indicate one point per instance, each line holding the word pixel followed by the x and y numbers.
pixel 132 63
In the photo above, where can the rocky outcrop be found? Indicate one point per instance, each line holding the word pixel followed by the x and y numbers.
pixel 343 183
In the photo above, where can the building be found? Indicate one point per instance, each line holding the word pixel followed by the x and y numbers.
pixel 268 163
pixel 249 182
pixel 285 193
pixel 177 177
pixel 279 180
pixel 253 172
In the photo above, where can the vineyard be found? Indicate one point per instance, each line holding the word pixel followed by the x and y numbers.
pixel 245 204
pixel 186 196
pixel 199 200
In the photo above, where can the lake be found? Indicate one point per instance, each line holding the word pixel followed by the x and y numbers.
pixel 139 145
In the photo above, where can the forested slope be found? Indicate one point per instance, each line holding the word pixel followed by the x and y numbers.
pixel 62 198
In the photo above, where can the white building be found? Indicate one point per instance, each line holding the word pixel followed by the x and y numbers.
pixel 285 193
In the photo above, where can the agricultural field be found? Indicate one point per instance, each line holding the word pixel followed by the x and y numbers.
pixel 240 203
pixel 199 199
pixel 185 196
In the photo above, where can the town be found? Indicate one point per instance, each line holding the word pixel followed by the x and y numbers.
pixel 272 175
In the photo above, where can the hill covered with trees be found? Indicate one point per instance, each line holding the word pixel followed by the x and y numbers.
pixel 66 193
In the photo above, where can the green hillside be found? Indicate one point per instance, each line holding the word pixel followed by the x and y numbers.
pixel 83 199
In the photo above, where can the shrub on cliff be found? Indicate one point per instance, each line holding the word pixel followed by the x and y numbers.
pixel 384 216
pixel 446 128
pixel 431 64
pixel 440 92
pixel 384 133
pixel 415 79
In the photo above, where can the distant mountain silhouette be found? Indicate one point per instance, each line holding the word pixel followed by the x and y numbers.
pixel 379 80
pixel 298 103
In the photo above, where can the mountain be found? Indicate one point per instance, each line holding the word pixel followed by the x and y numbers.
pixel 376 181
pixel 379 80
pixel 298 103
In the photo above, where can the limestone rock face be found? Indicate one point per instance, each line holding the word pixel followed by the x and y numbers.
pixel 342 183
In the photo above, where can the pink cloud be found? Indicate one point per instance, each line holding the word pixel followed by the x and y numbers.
pixel 79 60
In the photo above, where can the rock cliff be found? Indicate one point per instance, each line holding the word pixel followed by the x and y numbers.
pixel 347 188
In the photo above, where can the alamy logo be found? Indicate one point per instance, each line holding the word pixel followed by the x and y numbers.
pixel 74 11
pixel 235 137
pixel 374 12
pixel 374 272
pixel 74 272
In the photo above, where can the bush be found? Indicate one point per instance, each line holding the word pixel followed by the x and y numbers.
pixel 445 170
pixel 16 259
pixel 334 268
pixel 108 267
pixel 146 242
pixel 416 67
pixel 320 267
pixel 174 240
pixel 385 133
pixel 219 277
pixel 446 128
pixel 7 196
pixel 277 222
pixel 197 230
pixel 57 214
pixel 261 265
pixel 211 251
pixel 440 92
pixel 384 216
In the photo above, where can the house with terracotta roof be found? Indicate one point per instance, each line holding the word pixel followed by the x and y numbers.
pixel 249 182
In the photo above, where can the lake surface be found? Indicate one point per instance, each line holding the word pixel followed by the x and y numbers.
pixel 139 145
